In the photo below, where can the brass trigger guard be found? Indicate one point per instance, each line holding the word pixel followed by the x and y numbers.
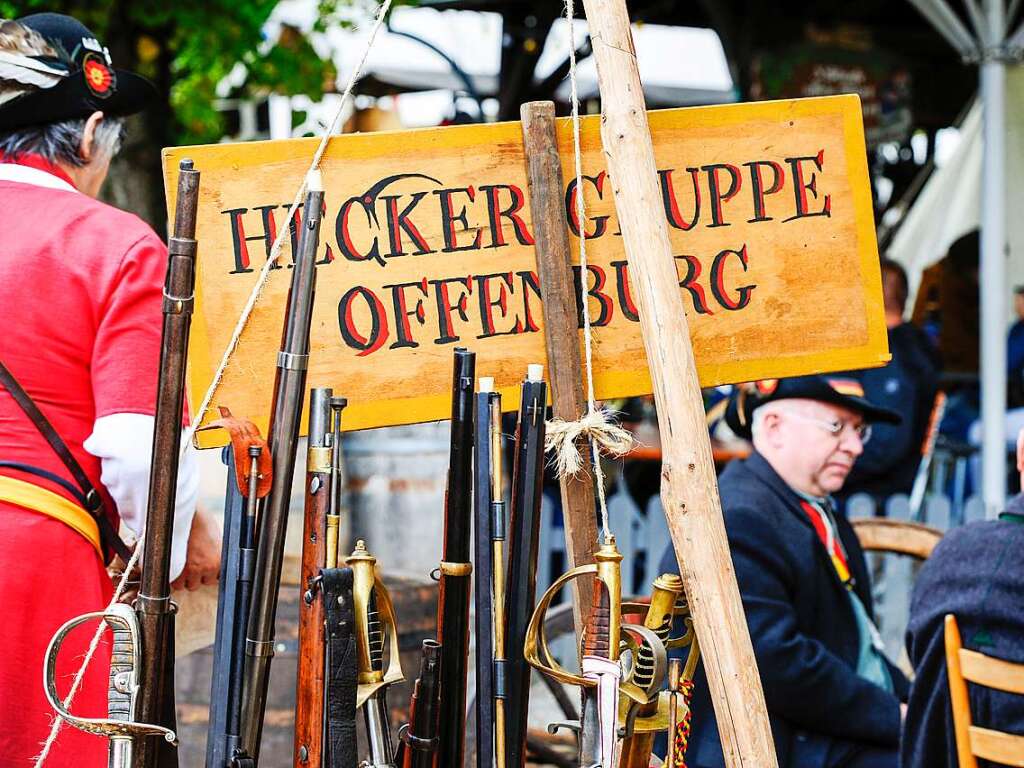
pixel 393 674
pixel 535 637
pixel 97 725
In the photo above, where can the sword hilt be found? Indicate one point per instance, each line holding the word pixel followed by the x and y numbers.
pixel 123 689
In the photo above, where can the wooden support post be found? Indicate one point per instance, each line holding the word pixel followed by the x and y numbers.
pixel 561 330
pixel 689 490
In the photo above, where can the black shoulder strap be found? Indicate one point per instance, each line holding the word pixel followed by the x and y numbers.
pixel 87 494
pixel 342 668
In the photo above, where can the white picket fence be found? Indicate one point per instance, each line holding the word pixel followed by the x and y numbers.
pixel 642 537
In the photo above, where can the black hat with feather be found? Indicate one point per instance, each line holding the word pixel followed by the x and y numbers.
pixel 52 68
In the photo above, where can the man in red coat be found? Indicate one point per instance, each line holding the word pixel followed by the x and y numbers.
pixel 80 319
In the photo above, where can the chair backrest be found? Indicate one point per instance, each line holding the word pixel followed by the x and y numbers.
pixel 963 666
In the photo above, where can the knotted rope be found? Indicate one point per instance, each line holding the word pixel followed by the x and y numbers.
pixel 236 335
pixel 596 426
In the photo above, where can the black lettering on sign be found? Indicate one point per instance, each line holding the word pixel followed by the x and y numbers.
pixel 757 186
pixel 625 298
pixel 530 284
pixel 445 327
pixel 802 187
pixel 718 280
pixel 604 300
pixel 449 218
pixel 668 199
pixel 402 313
pixel 715 193
pixel 694 288
pixel 573 215
pixel 495 213
pixel 487 302
pixel 378 334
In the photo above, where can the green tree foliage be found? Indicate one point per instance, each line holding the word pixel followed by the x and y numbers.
pixel 188 46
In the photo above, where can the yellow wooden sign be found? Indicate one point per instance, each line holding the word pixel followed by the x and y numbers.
pixel 427 244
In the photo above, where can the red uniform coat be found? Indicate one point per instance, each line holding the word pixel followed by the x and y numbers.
pixel 80 295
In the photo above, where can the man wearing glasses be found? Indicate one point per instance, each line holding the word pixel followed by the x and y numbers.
pixel 833 697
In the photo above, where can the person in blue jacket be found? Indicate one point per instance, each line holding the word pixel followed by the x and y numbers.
pixel 975 573
pixel 832 696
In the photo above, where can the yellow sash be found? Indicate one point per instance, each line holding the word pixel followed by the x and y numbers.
pixel 29 496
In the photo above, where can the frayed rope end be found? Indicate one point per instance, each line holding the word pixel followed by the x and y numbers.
pixel 562 439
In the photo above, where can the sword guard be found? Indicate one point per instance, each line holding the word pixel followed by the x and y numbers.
pixel 124 684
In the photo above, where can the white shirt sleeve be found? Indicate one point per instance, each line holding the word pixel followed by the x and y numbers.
pixel 123 442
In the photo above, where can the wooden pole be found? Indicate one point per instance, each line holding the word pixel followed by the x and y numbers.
pixel 689 490
pixel 561 330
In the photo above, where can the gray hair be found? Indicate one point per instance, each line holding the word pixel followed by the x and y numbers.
pixel 59 142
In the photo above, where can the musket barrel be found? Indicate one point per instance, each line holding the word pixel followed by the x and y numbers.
pixel 486 596
pixel 310 675
pixel 153 606
pixel 524 535
pixel 289 393
pixel 454 587
pixel 420 738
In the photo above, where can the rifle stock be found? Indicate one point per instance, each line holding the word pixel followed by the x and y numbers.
pixel 309 688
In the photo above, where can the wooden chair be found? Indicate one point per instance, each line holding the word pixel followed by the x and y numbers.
pixel 963 665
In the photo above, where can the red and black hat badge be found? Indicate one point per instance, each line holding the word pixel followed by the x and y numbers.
pixel 99 77
pixel 78 79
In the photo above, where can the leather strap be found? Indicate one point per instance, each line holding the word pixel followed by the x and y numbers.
pixel 244 433
pixel 341 675
pixel 91 500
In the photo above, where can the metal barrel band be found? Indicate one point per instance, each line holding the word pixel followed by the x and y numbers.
pixel 181 246
pixel 178 305
pixel 292 362
pixel 318 459
pixel 455 569
pixel 259 648
pixel 415 742
pixel 155 605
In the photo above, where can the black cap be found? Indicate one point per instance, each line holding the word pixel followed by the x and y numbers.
pixel 91 84
pixel 838 390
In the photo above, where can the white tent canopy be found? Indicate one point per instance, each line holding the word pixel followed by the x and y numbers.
pixel 950 202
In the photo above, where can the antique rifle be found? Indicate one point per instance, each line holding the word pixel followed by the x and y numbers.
pixel 286 412
pixel 153 607
pixel 490 580
pixel 309 689
pixel 375 627
pixel 419 738
pixel 341 675
pixel 455 569
pixel 249 479
pixel 524 535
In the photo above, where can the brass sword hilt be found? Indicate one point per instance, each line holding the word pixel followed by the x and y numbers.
pixel 607 570
pixel 122 693
pixel 376 626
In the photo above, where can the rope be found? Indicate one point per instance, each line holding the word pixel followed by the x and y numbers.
pixel 58 722
pixel 275 249
pixel 236 335
pixel 681 738
pixel 596 427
